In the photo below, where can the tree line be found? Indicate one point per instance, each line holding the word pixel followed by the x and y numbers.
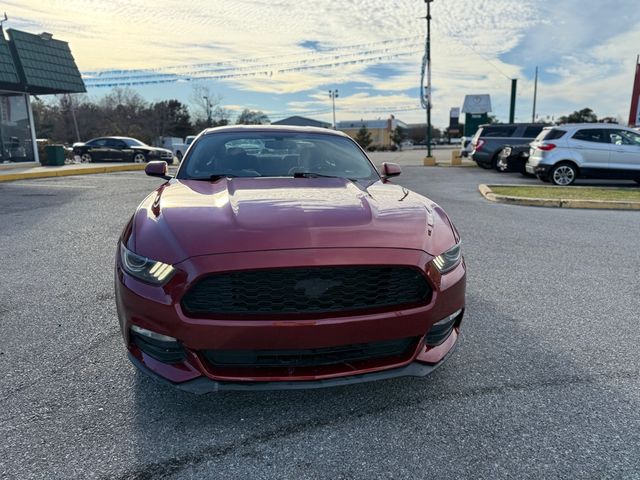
pixel 123 112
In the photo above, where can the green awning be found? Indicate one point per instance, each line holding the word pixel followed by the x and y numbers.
pixel 45 65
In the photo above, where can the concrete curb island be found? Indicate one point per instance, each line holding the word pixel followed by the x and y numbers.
pixel 64 171
pixel 486 192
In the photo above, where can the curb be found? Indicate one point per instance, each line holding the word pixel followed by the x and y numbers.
pixel 9 177
pixel 486 192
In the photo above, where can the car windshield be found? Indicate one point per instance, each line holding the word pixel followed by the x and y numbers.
pixel 276 154
pixel 132 142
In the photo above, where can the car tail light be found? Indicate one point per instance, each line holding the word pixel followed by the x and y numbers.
pixel 479 145
pixel 546 146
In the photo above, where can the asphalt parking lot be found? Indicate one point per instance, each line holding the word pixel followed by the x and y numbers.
pixel 545 384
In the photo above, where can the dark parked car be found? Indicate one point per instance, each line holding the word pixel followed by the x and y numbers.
pixel 300 266
pixel 489 140
pixel 513 158
pixel 119 149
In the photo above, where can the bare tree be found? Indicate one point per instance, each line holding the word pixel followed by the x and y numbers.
pixel 206 110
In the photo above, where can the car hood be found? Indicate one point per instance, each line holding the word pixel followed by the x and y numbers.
pixel 186 218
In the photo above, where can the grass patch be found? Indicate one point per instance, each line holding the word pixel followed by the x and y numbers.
pixel 630 194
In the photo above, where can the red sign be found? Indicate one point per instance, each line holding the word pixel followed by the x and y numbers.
pixel 634 114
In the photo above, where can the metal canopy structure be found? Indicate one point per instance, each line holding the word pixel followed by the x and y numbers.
pixel 37 64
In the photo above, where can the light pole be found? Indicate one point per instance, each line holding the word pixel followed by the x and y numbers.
pixel 206 99
pixel 425 97
pixel 333 94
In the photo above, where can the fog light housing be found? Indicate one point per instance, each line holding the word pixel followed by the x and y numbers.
pixel 163 348
pixel 441 329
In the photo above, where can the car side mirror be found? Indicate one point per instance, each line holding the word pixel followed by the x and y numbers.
pixel 157 169
pixel 390 170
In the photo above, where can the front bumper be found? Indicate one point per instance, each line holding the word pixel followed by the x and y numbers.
pixel 159 310
pixel 203 385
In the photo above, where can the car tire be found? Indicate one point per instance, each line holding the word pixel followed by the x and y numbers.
pixel 86 158
pixel 494 161
pixel 139 157
pixel 563 174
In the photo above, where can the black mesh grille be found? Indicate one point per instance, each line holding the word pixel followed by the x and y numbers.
pixel 307 290
pixel 311 357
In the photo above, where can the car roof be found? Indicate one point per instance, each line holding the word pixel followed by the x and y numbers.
pixel 512 124
pixel 273 128
pixel 571 126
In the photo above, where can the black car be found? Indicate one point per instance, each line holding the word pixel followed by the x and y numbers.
pixel 119 149
pixel 513 158
pixel 489 140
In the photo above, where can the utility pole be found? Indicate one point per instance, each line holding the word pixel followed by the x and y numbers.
pixel 426 63
pixel 535 98
pixel 333 94
pixel 512 111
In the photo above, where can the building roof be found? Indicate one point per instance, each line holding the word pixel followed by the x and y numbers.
pixel 302 122
pixel 378 123
pixel 37 64
pixel 8 73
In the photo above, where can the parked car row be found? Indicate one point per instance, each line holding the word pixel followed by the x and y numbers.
pixel 560 154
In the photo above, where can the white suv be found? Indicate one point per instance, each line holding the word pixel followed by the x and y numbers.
pixel 563 153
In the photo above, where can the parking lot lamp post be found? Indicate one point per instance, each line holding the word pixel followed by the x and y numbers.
pixel 208 104
pixel 333 94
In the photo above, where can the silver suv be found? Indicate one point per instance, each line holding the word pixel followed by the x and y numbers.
pixel 592 150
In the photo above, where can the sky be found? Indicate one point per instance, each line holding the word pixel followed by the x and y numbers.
pixel 283 56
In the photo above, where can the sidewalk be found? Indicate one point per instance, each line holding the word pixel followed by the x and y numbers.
pixel 407 158
pixel 18 172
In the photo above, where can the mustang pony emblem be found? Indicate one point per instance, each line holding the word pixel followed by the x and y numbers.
pixel 316 287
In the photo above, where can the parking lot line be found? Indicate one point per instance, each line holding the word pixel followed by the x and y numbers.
pixel 51 184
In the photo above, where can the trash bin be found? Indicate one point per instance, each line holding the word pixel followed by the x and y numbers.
pixel 54 154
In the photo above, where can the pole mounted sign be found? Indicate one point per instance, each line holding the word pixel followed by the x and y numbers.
pixel 634 114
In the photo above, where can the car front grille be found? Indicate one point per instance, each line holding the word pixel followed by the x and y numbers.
pixel 313 357
pixel 309 290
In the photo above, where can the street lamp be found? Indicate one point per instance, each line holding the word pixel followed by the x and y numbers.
pixel 209 105
pixel 333 94
pixel 425 97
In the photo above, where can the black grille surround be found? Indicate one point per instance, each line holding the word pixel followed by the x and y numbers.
pixel 307 290
pixel 312 357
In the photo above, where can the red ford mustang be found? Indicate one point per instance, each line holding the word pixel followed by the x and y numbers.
pixel 279 257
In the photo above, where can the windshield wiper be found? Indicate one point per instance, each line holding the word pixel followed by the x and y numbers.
pixel 214 177
pixel 319 175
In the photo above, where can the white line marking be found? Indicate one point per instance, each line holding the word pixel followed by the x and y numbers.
pixel 52 184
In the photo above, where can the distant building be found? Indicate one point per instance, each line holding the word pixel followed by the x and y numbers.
pixel 298 121
pixel 381 130
pixel 30 65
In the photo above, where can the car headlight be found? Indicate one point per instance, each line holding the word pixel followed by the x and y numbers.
pixel 145 269
pixel 448 260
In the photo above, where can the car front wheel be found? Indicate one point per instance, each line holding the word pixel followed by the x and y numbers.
pixel 86 158
pixel 563 174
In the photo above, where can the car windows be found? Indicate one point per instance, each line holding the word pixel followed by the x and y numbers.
pixel 497 131
pixel 623 137
pixel 113 143
pixel 550 134
pixel 594 135
pixel 98 142
pixel 532 131
pixel 275 154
